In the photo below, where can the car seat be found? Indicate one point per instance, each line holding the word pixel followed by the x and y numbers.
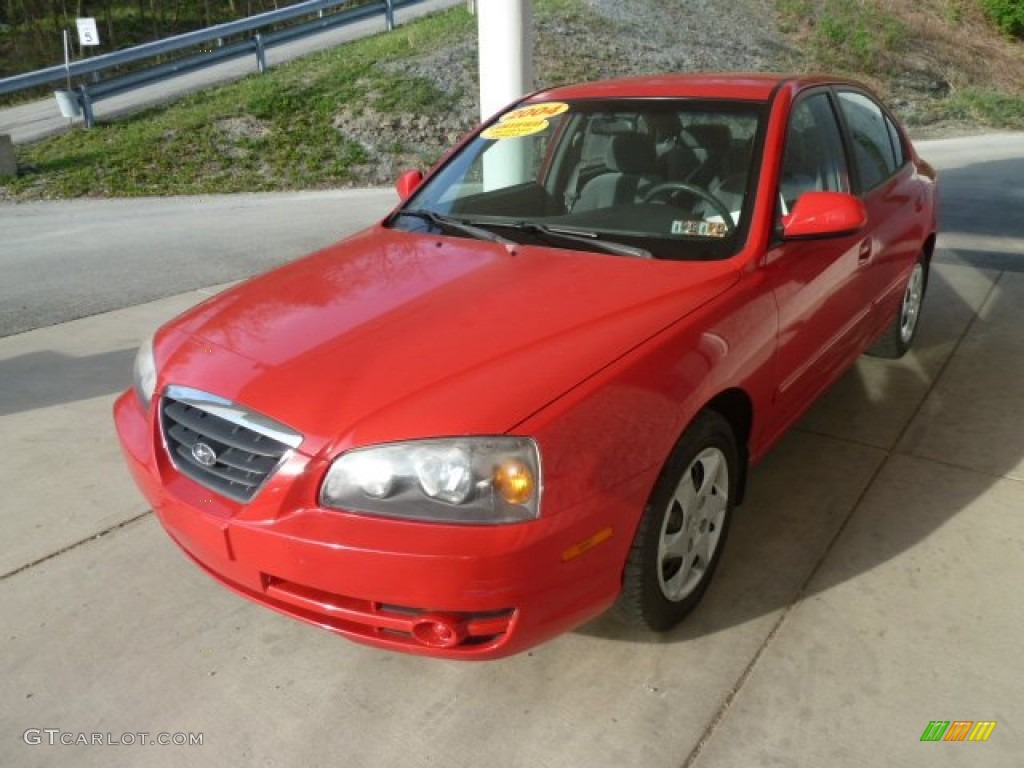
pixel 716 141
pixel 630 159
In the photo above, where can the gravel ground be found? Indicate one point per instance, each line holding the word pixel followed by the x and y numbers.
pixel 609 38
pixel 689 35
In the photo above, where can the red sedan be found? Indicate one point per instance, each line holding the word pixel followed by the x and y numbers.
pixel 533 391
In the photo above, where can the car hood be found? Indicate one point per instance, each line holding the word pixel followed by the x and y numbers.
pixel 391 335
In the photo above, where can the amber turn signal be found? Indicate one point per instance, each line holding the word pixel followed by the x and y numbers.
pixel 514 482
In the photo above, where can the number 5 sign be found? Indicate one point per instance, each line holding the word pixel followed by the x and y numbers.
pixel 87 32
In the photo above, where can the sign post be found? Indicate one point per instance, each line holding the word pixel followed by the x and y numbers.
pixel 88 35
pixel 67 58
pixel 65 99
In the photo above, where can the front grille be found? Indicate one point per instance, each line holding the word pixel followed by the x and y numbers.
pixel 220 445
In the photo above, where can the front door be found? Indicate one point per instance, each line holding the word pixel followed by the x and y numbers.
pixel 821 299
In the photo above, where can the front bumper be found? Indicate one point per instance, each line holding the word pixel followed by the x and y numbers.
pixel 472 592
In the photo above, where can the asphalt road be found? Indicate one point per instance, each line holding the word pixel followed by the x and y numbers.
pixel 982 205
pixel 70 259
pixel 38 119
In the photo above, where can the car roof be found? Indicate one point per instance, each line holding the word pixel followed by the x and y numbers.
pixel 739 85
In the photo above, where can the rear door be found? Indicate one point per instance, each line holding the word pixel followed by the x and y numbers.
pixel 886 181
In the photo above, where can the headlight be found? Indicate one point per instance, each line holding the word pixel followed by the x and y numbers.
pixel 474 480
pixel 144 373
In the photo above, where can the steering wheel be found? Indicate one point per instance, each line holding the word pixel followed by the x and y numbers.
pixel 671 187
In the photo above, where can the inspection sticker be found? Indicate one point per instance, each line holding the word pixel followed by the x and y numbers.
pixel 524 121
pixel 700 228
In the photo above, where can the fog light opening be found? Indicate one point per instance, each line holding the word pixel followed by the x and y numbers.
pixel 439 631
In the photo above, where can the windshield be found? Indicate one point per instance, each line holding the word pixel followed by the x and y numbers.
pixel 667 178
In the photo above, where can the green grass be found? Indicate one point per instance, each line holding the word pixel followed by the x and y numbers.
pixel 1008 15
pixel 977 107
pixel 273 131
pixel 854 36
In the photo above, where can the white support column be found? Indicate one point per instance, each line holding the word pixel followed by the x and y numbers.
pixel 506 52
pixel 506 73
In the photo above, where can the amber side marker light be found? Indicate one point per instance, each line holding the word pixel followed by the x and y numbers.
pixel 586 545
pixel 514 482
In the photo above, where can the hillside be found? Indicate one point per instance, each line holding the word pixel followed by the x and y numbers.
pixel 943 64
pixel 359 115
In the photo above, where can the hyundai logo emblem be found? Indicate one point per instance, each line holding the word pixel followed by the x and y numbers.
pixel 204 454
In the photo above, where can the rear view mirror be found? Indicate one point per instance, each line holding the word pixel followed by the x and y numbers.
pixel 407 183
pixel 824 214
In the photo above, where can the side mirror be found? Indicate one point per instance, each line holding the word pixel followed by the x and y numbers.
pixel 407 183
pixel 824 214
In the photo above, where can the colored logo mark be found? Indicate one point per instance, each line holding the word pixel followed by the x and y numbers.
pixel 958 730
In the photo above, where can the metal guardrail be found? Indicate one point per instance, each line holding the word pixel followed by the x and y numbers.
pixel 86 93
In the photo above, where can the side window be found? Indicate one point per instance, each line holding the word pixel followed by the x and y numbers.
pixel 897 143
pixel 872 144
pixel 813 160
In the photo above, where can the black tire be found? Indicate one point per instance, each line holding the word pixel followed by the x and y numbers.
pixel 899 336
pixel 659 586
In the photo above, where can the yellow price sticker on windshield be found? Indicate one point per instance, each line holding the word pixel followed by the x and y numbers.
pixel 525 121
pixel 515 130
pixel 535 112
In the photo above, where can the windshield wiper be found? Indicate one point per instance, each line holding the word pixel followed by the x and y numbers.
pixel 593 239
pixel 451 225
pixel 546 231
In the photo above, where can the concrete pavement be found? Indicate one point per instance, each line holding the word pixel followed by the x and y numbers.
pixel 39 119
pixel 73 258
pixel 871 584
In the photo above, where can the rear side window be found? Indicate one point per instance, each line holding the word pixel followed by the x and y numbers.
pixel 897 142
pixel 873 150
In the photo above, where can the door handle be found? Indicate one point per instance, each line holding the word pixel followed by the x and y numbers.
pixel 864 251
